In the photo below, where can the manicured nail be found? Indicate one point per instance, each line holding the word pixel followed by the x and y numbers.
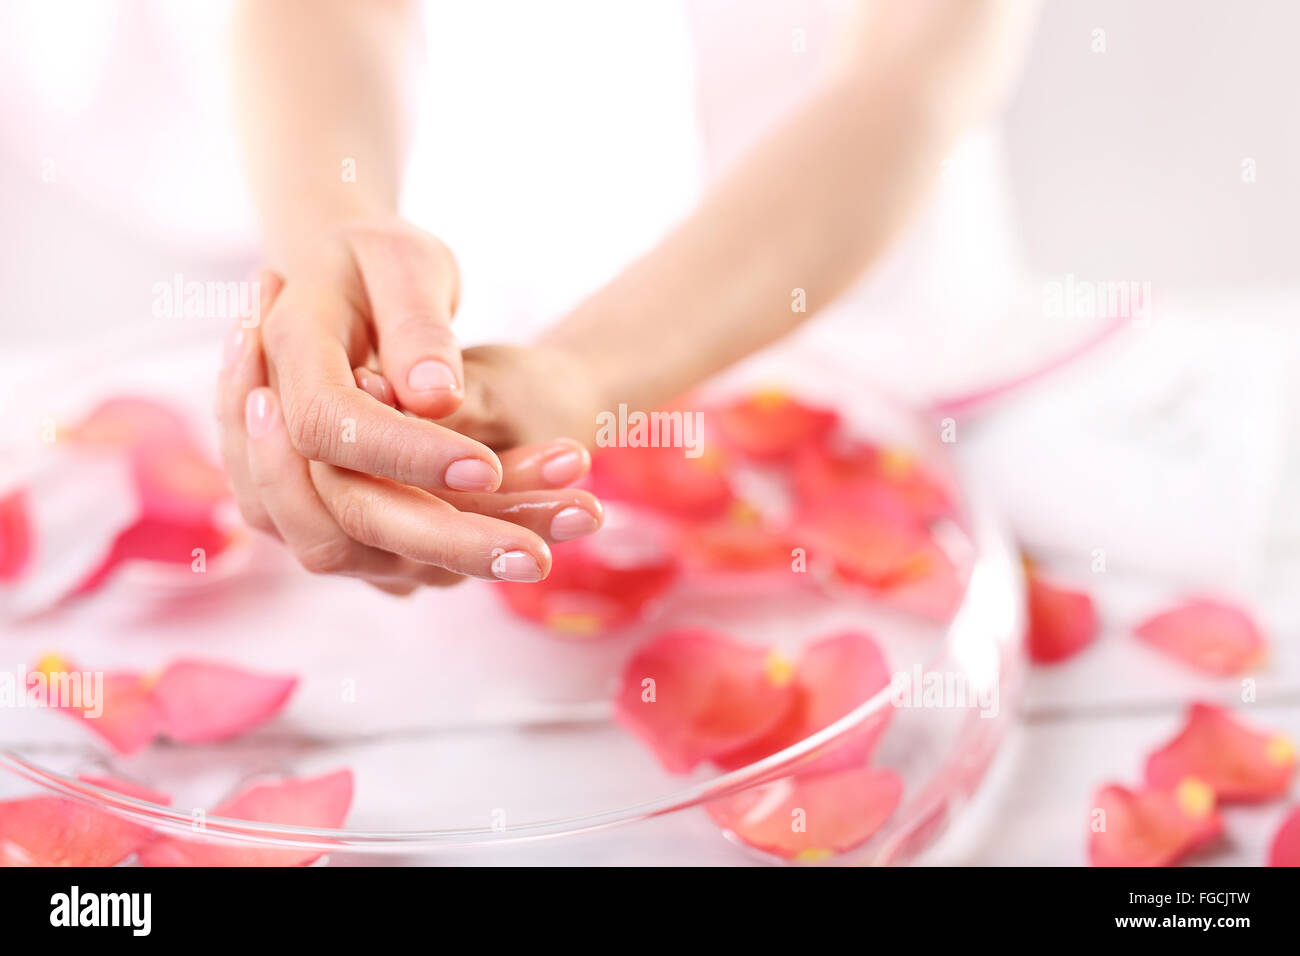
pixel 516 566
pixel 470 474
pixel 257 413
pixel 233 348
pixel 430 375
pixel 573 523
pixel 563 468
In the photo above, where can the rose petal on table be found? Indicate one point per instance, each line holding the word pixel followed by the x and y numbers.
pixel 811 818
pixel 833 676
pixel 666 480
pixel 692 695
pixel 176 483
pixel 126 715
pixel 57 831
pixel 1285 850
pixel 769 425
pixel 1209 635
pixel 157 541
pixel 597 584
pixel 890 482
pixel 15 535
pixel 1062 622
pixel 315 803
pixel 1237 761
pixel 189 702
pixel 202 702
pixel 1152 827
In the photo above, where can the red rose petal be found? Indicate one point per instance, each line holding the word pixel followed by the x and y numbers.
pixel 770 425
pixel 1285 850
pixel 834 675
pixel 866 549
pixel 1238 762
pixel 596 584
pixel 692 695
pixel 663 479
pixel 177 484
pixel 127 716
pixel 57 831
pixel 1153 827
pixel 811 818
pixel 740 540
pixel 201 702
pixel 1208 635
pixel 887 482
pixel 189 702
pixel 15 536
pixel 318 803
pixel 160 541
pixel 1061 622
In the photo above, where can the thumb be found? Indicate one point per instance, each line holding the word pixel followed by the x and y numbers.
pixel 413 291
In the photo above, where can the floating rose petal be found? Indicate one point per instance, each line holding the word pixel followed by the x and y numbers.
pixel 596 584
pixel 833 676
pixel 867 549
pixel 1238 762
pixel 57 831
pixel 664 479
pixel 887 482
pixel 188 702
pixel 1152 827
pixel 1285 850
pixel 692 695
pixel 319 803
pixel 1061 622
pixel 202 702
pixel 811 818
pixel 740 540
pixel 1208 635
pixel 770 425
pixel 15 536
pixel 177 484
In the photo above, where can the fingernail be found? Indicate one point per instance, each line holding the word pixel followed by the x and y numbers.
pixel 257 413
pixel 563 468
pixel 572 523
pixel 470 474
pixel 431 374
pixel 233 348
pixel 516 566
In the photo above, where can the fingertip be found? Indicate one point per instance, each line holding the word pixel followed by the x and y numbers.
pixel 431 387
pixel 259 412
pixel 569 463
pixel 472 474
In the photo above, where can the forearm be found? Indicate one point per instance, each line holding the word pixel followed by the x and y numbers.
pixel 809 209
pixel 322 112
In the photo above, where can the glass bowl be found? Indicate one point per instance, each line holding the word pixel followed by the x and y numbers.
pixel 476 737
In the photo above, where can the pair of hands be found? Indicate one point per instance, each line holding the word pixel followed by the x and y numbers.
pixel 311 403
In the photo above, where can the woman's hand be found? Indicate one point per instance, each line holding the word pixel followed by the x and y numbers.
pixel 339 521
pixel 384 287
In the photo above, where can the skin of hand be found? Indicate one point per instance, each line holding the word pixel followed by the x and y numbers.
pixel 393 535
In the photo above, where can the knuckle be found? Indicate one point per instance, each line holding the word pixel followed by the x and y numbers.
pixel 330 556
pixel 352 510
pixel 311 425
